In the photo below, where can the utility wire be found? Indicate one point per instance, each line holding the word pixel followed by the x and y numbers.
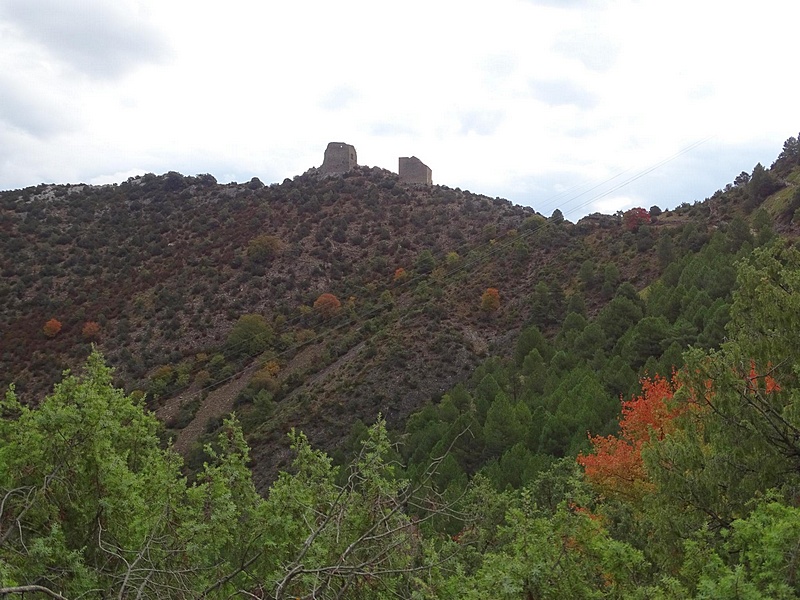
pixel 481 255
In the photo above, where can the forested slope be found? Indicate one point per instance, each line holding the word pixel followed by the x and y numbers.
pixel 696 496
pixel 186 284
pixel 631 432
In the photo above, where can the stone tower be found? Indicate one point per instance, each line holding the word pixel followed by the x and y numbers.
pixel 413 170
pixel 339 158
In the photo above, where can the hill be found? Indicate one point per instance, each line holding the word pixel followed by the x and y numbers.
pixel 159 270
pixel 687 383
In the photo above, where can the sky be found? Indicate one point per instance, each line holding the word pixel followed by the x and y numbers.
pixel 580 105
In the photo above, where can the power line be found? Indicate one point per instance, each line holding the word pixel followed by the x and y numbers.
pixel 481 256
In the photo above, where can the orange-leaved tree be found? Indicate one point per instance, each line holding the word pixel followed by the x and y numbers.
pixel 327 305
pixel 51 328
pixel 490 300
pixel 615 466
pixel 752 380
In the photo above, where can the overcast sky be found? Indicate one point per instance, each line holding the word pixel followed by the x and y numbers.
pixel 577 105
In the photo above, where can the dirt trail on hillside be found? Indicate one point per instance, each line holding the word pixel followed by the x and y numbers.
pixel 217 404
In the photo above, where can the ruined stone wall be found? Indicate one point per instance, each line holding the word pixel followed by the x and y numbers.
pixel 339 158
pixel 413 170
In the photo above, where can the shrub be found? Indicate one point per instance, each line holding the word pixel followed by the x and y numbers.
pixel 250 336
pixel 265 378
pixel 264 248
pixel 327 305
pixel 634 218
pixel 52 328
pixel 490 300
pixel 91 330
pixel 425 262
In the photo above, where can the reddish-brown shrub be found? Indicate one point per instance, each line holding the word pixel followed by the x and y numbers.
pixel 490 300
pixel 51 328
pixel 327 305
pixel 635 218
pixel 91 330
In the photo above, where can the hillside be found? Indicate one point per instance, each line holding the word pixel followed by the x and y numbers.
pixel 157 271
pixel 671 337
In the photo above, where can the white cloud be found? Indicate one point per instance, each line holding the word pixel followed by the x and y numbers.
pixel 339 98
pixel 589 46
pixel 515 98
pixel 561 92
pixel 97 38
pixel 28 109
pixel 117 177
pixel 612 204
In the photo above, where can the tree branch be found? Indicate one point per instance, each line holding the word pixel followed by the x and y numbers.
pixel 22 589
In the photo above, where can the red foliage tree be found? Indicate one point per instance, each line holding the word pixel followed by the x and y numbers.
pixel 51 328
pixel 400 274
pixel 635 218
pixel 490 300
pixel 615 466
pixel 327 305
pixel 752 380
pixel 91 330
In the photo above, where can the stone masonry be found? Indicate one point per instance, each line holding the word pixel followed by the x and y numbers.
pixel 413 170
pixel 339 158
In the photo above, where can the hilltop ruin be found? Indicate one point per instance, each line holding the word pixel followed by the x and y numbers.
pixel 413 170
pixel 341 158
